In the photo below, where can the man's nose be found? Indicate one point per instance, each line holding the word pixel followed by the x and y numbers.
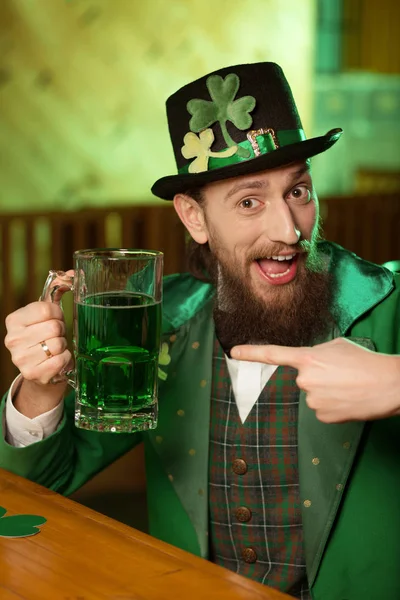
pixel 281 226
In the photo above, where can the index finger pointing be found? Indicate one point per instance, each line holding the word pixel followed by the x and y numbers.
pixel 271 355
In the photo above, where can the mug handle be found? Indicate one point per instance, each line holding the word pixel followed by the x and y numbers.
pixel 54 293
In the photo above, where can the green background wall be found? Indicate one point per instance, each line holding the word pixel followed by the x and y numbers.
pixel 83 85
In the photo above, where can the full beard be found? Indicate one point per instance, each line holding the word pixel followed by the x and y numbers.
pixel 294 314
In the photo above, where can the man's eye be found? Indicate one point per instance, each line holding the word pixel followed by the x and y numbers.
pixel 300 193
pixel 249 203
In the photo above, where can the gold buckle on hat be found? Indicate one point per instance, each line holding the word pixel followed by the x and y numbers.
pixel 252 135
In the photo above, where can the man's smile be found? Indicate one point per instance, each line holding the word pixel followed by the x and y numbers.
pixel 277 270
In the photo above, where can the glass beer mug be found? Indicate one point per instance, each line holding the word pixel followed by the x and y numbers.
pixel 116 336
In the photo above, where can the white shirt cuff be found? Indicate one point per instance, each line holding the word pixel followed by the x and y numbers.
pixel 20 431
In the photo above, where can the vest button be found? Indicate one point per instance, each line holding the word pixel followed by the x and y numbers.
pixel 249 555
pixel 243 514
pixel 239 466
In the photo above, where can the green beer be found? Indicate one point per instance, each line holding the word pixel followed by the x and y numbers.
pixel 116 348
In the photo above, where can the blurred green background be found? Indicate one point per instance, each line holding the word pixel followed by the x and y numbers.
pixel 83 85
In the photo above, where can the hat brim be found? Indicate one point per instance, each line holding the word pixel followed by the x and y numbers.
pixel 167 187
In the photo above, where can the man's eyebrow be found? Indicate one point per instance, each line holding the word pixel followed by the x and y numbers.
pixel 306 168
pixel 257 184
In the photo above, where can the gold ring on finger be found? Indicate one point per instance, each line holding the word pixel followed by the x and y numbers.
pixel 45 349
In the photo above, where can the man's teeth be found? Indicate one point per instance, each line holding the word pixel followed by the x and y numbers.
pixel 288 257
pixel 276 275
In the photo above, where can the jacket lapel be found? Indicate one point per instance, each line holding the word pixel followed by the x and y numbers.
pixel 326 455
pixel 326 451
pixel 182 435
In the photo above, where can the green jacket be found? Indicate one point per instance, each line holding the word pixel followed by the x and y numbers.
pixel 351 528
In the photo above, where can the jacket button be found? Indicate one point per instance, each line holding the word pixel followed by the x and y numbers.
pixel 239 466
pixel 249 555
pixel 243 514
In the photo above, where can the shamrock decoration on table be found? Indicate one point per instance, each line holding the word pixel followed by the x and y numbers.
pixel 19 525
pixel 223 108
pixel 199 147
pixel 164 359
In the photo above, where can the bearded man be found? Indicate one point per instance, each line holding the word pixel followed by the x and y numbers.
pixel 240 470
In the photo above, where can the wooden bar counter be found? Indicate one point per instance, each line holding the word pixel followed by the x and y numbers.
pixel 80 554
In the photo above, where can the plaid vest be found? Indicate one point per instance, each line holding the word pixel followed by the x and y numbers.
pixel 255 514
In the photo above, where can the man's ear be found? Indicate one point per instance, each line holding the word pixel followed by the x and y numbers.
pixel 192 216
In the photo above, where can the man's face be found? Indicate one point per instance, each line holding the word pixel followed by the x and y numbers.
pixel 271 283
pixel 262 229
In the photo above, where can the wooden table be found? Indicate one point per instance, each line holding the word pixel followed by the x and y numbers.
pixel 83 555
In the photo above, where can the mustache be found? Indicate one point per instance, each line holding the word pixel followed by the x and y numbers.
pixel 303 247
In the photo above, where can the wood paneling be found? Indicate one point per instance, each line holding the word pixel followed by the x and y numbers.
pixel 48 241
pixel 367 225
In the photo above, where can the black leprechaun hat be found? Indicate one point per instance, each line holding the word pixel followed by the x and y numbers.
pixel 235 121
